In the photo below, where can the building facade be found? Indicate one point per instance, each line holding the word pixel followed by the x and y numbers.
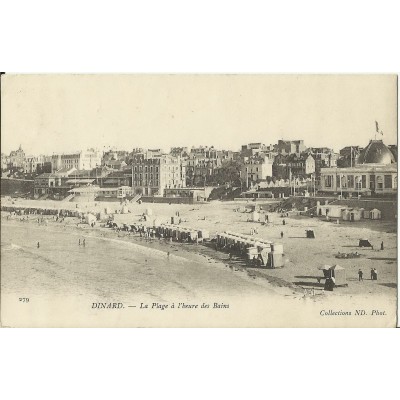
pixel 255 169
pixel 293 166
pixel 45 184
pixel 374 174
pixel 86 160
pixel 290 147
pixel 366 179
pixel 151 176
pixel 203 163
pixel 17 158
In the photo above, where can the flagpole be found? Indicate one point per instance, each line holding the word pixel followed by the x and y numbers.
pixel 351 156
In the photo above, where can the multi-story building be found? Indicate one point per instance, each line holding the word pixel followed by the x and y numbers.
pixel 290 147
pixel 203 163
pixel 255 169
pixel 17 158
pixel 293 166
pixel 151 176
pixel 375 173
pixel 324 158
pixel 348 156
pixel 182 152
pixel 37 164
pixel 114 155
pixel 117 165
pixel 45 183
pixel 86 160
pixel 4 161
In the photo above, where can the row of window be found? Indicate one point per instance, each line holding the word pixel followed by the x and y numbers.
pixel 359 182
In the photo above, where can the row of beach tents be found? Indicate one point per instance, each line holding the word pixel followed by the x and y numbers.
pixel 269 254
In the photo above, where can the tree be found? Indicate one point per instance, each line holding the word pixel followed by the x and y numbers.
pixel 229 172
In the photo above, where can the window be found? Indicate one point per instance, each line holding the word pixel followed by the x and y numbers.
pixel 328 181
pixel 379 182
pixel 388 181
pixel 364 181
pixel 350 181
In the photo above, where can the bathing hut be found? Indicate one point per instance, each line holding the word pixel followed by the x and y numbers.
pixel 90 218
pixel 310 234
pixel 203 235
pixel 339 273
pixel 346 214
pixel 364 243
pixel 366 214
pixel 149 211
pixel 376 214
pixel 356 214
pixel 255 216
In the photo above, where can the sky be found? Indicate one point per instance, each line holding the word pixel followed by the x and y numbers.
pixel 49 114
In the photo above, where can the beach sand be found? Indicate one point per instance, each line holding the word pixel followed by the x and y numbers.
pixel 199 273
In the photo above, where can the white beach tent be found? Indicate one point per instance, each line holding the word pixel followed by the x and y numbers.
pixel 376 214
pixel 90 218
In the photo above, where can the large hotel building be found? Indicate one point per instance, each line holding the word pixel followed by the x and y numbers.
pixel 151 176
pixel 375 173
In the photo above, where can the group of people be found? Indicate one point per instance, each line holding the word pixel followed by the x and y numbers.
pixel 374 274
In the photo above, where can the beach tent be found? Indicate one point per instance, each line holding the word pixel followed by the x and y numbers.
pixel 310 234
pixel 255 216
pixel 339 273
pixel 149 211
pixel 326 269
pixel 367 214
pixel 364 243
pixel 346 215
pixel 376 214
pixel 90 218
pixel 356 214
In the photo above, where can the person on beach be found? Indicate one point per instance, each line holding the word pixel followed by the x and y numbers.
pixel 281 235
pixel 382 246
pixel 38 244
pixel 79 242
pixel 84 242
pixel 168 254
pixel 284 222
pixel 360 275
pixel 375 274
pixel 372 274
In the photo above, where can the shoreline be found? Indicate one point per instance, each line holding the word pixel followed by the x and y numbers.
pixel 180 252
pixel 302 256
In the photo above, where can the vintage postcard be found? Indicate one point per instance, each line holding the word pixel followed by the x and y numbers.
pixel 198 200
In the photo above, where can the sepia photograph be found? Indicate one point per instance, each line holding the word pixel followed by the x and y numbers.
pixel 198 200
